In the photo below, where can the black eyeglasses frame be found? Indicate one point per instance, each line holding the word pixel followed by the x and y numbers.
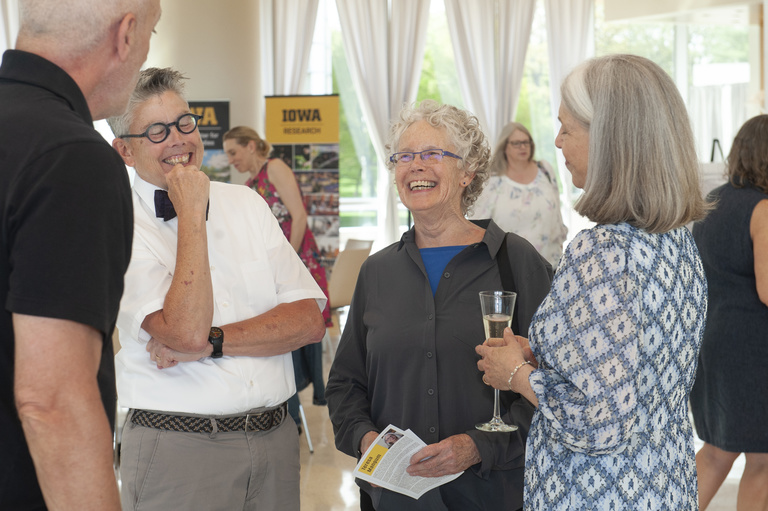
pixel 167 128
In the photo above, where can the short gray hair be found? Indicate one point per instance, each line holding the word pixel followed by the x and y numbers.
pixel 499 158
pixel 77 26
pixel 465 134
pixel 152 82
pixel 642 165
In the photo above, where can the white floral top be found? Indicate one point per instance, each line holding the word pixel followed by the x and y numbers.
pixel 617 339
pixel 531 211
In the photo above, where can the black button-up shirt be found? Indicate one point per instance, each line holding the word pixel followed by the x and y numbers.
pixel 408 358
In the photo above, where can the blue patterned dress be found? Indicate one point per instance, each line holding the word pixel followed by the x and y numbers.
pixel 617 339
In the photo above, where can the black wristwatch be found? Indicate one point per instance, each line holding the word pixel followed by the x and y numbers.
pixel 216 338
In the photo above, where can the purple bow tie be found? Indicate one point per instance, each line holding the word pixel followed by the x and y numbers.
pixel 164 207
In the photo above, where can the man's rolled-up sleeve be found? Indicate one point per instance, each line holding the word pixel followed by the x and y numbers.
pixel 147 281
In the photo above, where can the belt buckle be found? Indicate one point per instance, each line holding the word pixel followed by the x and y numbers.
pixel 248 420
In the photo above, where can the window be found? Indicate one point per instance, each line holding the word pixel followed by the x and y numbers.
pixel 710 62
pixel 707 53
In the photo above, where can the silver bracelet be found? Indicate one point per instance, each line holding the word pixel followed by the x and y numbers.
pixel 514 372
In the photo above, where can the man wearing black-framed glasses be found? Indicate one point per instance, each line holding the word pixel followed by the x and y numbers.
pixel 159 131
pixel 215 301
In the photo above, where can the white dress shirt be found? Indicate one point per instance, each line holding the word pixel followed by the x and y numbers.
pixel 253 269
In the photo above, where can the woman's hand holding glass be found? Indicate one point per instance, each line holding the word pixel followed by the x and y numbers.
pixel 501 356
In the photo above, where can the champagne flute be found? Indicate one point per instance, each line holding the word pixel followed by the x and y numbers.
pixel 497 308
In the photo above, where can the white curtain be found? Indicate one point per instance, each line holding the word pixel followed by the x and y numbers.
pixel 9 24
pixel 569 34
pixel 717 112
pixel 266 43
pixel 490 39
pixel 570 39
pixel 384 50
pixel 287 28
pixel 514 35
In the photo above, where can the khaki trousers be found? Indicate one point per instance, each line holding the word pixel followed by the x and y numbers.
pixel 168 470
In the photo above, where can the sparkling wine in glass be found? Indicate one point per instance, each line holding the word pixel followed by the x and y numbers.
pixel 497 308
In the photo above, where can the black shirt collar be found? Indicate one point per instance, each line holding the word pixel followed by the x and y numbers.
pixel 25 67
pixel 492 238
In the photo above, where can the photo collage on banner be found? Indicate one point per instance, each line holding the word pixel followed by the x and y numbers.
pixel 304 133
pixel 213 123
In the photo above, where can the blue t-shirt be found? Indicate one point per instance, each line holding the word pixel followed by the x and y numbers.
pixel 435 260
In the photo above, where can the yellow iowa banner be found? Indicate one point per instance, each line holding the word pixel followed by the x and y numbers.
pixel 302 119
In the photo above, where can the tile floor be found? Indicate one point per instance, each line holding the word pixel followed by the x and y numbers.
pixel 326 475
pixel 326 480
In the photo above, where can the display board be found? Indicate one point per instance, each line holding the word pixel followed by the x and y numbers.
pixel 304 133
pixel 213 123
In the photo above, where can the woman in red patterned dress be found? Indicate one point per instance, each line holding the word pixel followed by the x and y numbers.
pixel 277 184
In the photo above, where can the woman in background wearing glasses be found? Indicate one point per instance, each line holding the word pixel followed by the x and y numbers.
pixel 522 195
pixel 406 356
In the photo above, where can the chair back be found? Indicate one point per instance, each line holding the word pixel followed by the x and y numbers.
pixel 343 279
pixel 353 244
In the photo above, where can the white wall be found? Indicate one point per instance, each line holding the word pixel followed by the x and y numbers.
pixel 216 45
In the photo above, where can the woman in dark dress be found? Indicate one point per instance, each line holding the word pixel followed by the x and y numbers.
pixel 730 396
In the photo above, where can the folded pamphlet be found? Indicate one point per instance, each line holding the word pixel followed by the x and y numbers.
pixel 386 460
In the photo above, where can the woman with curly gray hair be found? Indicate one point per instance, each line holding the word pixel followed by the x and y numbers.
pixel 406 356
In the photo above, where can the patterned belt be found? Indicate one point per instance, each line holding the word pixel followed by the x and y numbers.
pixel 251 422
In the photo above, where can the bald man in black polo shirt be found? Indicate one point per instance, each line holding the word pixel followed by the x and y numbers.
pixel 66 238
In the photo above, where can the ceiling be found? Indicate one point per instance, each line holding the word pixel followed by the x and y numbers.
pixel 699 12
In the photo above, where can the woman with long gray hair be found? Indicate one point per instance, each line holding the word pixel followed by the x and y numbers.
pixel 612 351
